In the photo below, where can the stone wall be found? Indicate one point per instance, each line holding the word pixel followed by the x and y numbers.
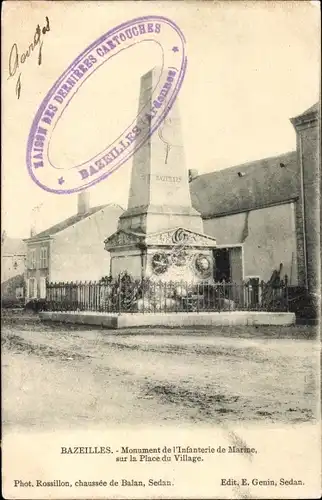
pixel 308 208
pixel 268 236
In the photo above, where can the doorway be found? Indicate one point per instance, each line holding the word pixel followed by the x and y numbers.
pixel 252 290
pixel 222 270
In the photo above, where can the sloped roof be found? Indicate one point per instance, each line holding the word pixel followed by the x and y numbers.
pixel 307 116
pixel 13 246
pixel 74 219
pixel 259 183
pixel 312 109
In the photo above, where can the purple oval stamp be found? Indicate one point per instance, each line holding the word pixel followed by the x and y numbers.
pixel 155 29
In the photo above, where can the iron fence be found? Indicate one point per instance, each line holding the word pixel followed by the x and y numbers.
pixel 125 295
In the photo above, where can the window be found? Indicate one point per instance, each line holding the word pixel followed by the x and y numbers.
pixel 32 288
pixel 32 258
pixel 43 258
pixel 42 287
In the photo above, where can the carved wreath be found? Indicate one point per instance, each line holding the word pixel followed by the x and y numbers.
pixel 203 266
pixel 179 258
pixel 160 263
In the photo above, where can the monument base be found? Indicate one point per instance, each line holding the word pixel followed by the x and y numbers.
pixel 172 320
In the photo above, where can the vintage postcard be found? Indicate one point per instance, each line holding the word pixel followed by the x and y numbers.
pixel 160 245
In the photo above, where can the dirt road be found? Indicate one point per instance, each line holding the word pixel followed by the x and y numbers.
pixel 62 377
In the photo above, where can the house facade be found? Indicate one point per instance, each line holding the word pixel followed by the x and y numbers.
pixel 270 207
pixel 72 250
pixel 13 260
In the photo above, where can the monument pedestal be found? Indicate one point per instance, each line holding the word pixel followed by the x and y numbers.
pixel 154 218
pixel 173 255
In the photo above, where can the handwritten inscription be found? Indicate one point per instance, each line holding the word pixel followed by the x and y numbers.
pixel 18 58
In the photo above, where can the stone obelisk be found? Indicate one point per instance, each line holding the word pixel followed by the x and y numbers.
pixel 159 195
pixel 160 235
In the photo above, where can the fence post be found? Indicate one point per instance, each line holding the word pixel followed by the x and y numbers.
pixel 154 297
pixel 218 296
pixel 76 296
pixel 119 301
pixel 143 294
pixel 286 292
pixel 106 297
pixel 263 298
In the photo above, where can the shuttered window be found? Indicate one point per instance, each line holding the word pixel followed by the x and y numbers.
pixel 32 288
pixel 42 288
pixel 32 258
pixel 43 258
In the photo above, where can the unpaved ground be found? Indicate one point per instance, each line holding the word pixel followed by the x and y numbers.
pixel 60 376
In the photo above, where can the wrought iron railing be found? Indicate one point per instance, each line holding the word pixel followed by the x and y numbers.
pixel 126 295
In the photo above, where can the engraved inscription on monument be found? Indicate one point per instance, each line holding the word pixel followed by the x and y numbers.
pixel 163 178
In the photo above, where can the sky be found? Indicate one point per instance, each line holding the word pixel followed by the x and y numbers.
pixel 251 67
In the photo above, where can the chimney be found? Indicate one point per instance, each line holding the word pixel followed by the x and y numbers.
pixel 192 174
pixel 83 203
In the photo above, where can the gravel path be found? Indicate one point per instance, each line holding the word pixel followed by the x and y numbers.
pixel 55 376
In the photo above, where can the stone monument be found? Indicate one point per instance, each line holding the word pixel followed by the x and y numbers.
pixel 160 235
